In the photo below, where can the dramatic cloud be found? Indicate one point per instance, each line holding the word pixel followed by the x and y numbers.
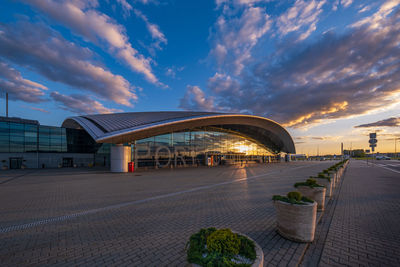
pixel 236 36
pixel 375 21
pixel 301 17
pixel 195 99
pixel 81 17
pixel 221 83
pixel 391 122
pixel 44 51
pixel 154 30
pixel 81 104
pixel 336 77
pixel 19 88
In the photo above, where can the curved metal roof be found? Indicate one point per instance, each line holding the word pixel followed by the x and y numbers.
pixel 124 127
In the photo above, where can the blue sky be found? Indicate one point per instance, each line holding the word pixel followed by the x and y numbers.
pixel 320 68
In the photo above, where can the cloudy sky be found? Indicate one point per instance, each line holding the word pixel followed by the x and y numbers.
pixel 329 71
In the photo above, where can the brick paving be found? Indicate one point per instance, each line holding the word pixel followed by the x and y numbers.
pixel 142 233
pixel 145 219
pixel 361 224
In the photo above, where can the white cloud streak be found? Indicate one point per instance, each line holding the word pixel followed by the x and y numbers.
pixel 237 35
pixel 195 99
pixel 302 17
pixel 81 17
pixel 81 104
pixel 153 29
pixel 19 88
pixel 39 48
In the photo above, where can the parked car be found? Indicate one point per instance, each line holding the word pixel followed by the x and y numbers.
pixel 383 158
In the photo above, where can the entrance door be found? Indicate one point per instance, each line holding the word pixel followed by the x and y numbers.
pixel 15 163
pixel 68 162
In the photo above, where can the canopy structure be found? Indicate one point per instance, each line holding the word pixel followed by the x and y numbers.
pixel 119 128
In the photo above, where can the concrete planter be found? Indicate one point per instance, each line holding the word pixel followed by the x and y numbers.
pixel 335 177
pixel 258 262
pixel 296 222
pixel 340 173
pixel 317 194
pixel 328 185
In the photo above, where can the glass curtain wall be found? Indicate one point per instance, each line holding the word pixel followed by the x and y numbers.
pixel 198 148
pixel 24 137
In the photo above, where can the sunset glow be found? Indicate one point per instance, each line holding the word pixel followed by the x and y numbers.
pixel 326 70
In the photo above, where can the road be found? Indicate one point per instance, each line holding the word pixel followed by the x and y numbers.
pixel 393 165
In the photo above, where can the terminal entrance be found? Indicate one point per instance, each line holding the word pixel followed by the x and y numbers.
pixel 190 149
pixel 67 162
pixel 15 163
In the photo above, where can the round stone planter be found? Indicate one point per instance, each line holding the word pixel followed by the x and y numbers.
pixel 340 172
pixel 328 185
pixel 335 178
pixel 316 193
pixel 258 262
pixel 296 222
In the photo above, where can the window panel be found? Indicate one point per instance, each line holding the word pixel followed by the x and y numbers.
pixel 30 148
pixel 30 128
pixel 4 125
pixel 30 134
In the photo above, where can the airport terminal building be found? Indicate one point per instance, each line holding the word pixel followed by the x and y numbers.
pixel 143 139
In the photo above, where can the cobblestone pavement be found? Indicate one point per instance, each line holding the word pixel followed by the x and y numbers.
pixel 79 217
pixel 361 224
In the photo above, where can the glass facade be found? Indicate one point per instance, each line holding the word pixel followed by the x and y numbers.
pixel 25 137
pixel 198 147
pixel 207 146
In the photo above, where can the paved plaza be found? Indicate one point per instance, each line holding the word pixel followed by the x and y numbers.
pixel 361 226
pixel 93 217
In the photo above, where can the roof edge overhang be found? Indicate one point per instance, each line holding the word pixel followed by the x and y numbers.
pixel 158 128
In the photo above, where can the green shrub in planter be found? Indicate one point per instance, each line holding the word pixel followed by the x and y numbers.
pixel 325 181
pixel 212 247
pixel 309 182
pixel 223 241
pixel 293 197
pixel 296 216
pixel 322 176
pixel 312 190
